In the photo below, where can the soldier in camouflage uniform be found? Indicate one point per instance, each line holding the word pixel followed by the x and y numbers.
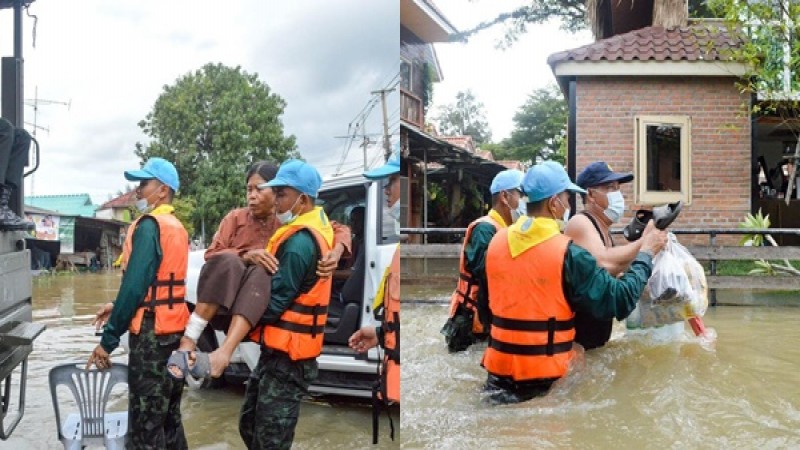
pixel 279 385
pixel 155 257
pixel 292 327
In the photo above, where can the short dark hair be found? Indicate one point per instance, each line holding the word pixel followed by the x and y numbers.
pixel 264 169
pixel 537 205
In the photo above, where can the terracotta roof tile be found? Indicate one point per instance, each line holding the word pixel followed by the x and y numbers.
pixel 699 41
pixel 123 201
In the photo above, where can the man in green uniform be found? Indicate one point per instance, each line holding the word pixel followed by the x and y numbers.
pixel 538 279
pixel 292 328
pixel 154 397
pixel 469 311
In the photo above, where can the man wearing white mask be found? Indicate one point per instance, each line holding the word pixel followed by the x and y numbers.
pixel 151 305
pixel 603 205
pixel 470 317
pixel 391 214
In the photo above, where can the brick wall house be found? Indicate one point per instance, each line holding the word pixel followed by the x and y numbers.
pixel 663 104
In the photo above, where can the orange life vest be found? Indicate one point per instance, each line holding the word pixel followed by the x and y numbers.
pixel 466 292
pixel 301 328
pixel 532 324
pixel 387 390
pixel 166 296
pixel 390 378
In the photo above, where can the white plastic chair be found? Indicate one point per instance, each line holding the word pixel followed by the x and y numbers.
pixel 91 425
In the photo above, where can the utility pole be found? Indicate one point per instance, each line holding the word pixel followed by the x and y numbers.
pixel 365 144
pixel 35 102
pixel 387 146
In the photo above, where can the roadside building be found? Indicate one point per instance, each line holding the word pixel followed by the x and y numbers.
pixel 445 179
pixel 70 234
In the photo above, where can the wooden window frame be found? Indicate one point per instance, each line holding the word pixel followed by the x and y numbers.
pixel 410 74
pixel 643 196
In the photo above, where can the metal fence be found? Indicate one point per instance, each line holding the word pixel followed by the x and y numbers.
pixel 711 253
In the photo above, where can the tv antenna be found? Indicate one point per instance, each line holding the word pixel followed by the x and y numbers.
pixel 35 102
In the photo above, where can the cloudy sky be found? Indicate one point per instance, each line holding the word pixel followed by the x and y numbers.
pixel 111 60
pixel 501 79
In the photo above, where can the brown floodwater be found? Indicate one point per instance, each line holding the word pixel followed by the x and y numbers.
pixel 67 303
pixel 659 390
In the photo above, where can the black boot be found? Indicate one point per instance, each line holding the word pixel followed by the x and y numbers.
pixel 9 221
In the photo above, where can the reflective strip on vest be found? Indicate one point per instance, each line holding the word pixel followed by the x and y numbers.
pixel 532 326
pixel 166 296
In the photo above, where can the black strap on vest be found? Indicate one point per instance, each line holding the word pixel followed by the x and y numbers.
pixel 171 300
pixel 533 325
pixel 548 349
pixel 313 311
pixel 550 326
pixel 470 283
pixel 298 328
pixel 394 353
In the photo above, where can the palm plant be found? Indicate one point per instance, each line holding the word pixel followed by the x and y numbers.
pixel 760 221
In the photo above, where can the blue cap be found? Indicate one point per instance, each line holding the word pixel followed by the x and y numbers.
pixel 298 175
pixel 506 181
pixel 156 168
pixel 598 173
pixel 391 167
pixel 546 180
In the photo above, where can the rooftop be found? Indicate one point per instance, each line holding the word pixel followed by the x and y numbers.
pixel 699 41
pixel 67 205
pixel 123 201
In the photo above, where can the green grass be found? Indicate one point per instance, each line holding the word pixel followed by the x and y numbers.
pixel 735 268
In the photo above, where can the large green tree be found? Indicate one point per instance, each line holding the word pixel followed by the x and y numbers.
pixel 466 116
pixel 212 124
pixel 769 32
pixel 540 129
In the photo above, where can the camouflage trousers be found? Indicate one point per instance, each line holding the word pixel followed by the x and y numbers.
pixel 272 400
pixel 154 409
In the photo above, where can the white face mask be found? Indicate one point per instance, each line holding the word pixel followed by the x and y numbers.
pixel 394 210
pixel 616 206
pixel 562 223
pixel 288 217
pixel 143 206
pixel 521 211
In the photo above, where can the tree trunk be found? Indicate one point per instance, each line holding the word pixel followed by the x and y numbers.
pixel 670 13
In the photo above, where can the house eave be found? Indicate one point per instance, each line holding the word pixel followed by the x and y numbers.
pixel 649 68
pixel 425 22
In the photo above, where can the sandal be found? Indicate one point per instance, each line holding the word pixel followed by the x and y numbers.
pixel 634 230
pixel 179 359
pixel 666 214
pixel 202 365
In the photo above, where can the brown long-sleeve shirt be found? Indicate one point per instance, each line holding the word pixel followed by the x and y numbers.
pixel 240 232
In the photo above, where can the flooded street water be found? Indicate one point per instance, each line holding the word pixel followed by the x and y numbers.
pixel 742 392
pixel 67 303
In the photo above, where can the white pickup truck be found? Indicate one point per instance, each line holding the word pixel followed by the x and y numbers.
pixel 342 371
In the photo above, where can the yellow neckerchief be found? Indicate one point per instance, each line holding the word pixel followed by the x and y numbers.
pixel 382 287
pixel 497 218
pixel 162 209
pixel 529 231
pixel 315 219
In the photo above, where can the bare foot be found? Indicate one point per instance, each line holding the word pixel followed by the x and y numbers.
pixel 187 344
pixel 219 360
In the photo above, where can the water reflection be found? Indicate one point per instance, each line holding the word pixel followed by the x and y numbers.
pixel 67 303
pixel 633 393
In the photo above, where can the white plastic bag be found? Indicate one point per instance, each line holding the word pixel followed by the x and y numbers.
pixel 677 289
